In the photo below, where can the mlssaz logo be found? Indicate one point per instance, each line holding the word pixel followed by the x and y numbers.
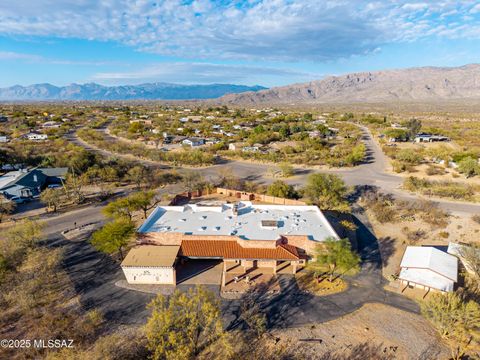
pixel 53 343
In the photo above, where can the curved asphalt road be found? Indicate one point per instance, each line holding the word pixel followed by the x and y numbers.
pixel 371 173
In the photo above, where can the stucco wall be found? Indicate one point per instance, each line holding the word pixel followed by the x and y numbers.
pixel 149 275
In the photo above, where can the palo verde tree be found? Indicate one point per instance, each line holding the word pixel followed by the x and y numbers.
pixel 280 189
pixel 52 198
pixel 337 256
pixel 120 208
pixel 114 236
pixel 6 207
pixel 184 325
pixel 143 200
pixel 327 191
pixel 456 319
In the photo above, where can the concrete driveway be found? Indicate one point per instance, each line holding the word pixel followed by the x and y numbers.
pixel 197 271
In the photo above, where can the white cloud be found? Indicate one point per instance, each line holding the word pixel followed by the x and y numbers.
pixel 286 30
pixel 475 9
pixel 198 73
pixel 10 55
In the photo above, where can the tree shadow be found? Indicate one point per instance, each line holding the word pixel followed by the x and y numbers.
pixel 387 248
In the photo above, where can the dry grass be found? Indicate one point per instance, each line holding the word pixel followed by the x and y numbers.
pixel 321 286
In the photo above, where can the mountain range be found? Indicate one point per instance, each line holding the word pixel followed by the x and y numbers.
pixel 427 84
pixel 92 91
pixel 421 84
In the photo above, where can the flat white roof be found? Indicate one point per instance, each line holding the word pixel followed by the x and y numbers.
pixel 220 220
pixel 429 266
pixel 10 176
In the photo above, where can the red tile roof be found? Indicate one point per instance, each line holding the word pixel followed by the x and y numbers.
pixel 233 250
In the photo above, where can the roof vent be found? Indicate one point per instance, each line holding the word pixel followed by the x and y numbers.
pixel 270 224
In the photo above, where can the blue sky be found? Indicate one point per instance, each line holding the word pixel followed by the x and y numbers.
pixel 274 42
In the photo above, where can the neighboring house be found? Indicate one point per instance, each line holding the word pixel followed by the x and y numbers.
pixel 398 126
pixel 193 141
pixel 141 121
pixel 428 268
pixel 29 183
pixel 241 235
pixel 51 125
pixel 212 141
pixel 4 139
pixel 423 137
pixel 236 146
pixel 250 149
pixel 35 136
pixel 397 139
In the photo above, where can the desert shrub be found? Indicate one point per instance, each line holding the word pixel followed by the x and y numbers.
pixel 476 218
pixel 430 212
pixel 409 156
pixel 413 236
pixel 382 206
pixel 399 166
pixel 469 167
pixel 448 189
pixel 435 170
pixel 443 234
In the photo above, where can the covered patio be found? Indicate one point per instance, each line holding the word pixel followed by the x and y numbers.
pixel 248 270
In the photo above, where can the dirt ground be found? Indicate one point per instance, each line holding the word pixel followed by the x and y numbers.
pixel 393 239
pixel 421 170
pixel 398 334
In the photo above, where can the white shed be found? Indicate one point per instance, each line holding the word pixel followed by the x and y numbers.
pixel 428 268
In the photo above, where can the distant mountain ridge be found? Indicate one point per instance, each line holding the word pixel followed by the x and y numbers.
pixel 403 85
pixel 148 91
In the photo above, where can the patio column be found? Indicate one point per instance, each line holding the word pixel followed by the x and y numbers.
pixel 224 273
pixel 275 268
pixel 294 267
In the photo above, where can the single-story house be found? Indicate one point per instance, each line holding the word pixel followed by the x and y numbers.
pixel 29 183
pixel 193 141
pixel 423 137
pixel 428 268
pixel 250 149
pixel 35 136
pixel 51 125
pixel 244 235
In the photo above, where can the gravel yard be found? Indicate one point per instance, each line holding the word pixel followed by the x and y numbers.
pixel 399 334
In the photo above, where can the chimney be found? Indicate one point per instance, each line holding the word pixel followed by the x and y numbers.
pixel 35 179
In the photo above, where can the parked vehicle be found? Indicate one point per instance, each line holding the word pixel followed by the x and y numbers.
pixel 19 200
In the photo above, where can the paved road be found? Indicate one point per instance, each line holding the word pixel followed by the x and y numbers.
pixel 371 173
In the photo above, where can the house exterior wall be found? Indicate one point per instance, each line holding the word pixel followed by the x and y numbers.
pixel 150 275
pixel 17 190
pixel 267 263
